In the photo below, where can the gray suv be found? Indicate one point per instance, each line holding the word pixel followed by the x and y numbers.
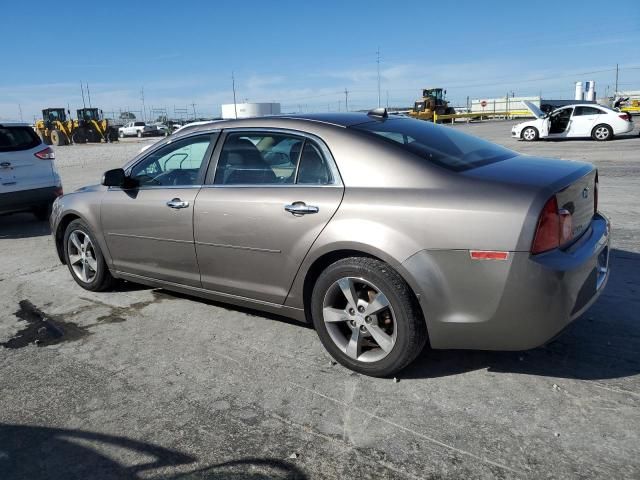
pixel 29 181
pixel 385 233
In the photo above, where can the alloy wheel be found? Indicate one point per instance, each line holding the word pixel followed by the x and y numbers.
pixel 359 319
pixel 529 134
pixel 602 133
pixel 82 256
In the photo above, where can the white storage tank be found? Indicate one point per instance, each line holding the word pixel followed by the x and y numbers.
pixel 579 92
pixel 590 90
pixel 248 110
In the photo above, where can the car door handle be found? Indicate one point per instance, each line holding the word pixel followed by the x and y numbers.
pixel 177 203
pixel 301 208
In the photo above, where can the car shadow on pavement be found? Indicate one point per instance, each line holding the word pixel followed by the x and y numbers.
pixel 40 453
pixel 22 225
pixel 604 343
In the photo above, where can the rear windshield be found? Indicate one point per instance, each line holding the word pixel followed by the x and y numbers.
pixel 17 138
pixel 444 146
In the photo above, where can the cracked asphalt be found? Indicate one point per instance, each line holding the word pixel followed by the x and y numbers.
pixel 142 383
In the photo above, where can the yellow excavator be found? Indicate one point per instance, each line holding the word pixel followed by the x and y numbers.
pixel 432 101
pixel 93 128
pixel 55 128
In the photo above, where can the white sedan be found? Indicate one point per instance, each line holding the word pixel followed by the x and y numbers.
pixel 573 121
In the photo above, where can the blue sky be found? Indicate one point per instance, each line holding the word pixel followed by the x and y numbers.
pixel 305 53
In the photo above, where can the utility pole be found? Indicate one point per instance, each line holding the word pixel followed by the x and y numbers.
pixel 233 84
pixel 616 92
pixel 346 100
pixel 193 105
pixel 20 108
pixel 89 95
pixel 144 113
pixel 82 90
pixel 387 99
pixel 378 62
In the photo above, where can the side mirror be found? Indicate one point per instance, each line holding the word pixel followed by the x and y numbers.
pixel 114 178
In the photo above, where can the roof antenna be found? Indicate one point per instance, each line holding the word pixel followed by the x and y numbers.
pixel 378 112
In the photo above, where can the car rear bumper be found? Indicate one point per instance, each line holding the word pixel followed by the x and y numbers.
pixel 25 200
pixel 516 304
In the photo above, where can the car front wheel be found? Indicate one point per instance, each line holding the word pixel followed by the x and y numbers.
pixel 367 317
pixel 530 134
pixel 84 258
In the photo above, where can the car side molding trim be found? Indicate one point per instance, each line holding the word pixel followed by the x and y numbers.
pixel 143 237
pixel 239 247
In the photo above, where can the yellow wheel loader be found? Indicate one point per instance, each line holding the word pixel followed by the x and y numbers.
pixel 93 128
pixel 432 101
pixel 55 128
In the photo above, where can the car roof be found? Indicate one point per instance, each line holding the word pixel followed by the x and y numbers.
pixel 341 120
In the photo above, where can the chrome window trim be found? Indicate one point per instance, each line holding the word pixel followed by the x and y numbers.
pixel 159 187
pixel 213 165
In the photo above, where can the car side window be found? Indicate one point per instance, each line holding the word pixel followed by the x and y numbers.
pixel 258 159
pixel 580 111
pixel 313 169
pixel 176 164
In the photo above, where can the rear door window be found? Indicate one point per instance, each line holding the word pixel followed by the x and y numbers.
pixel 256 158
pixel 17 138
pixel 581 111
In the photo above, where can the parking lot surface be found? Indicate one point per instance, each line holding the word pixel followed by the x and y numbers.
pixel 149 384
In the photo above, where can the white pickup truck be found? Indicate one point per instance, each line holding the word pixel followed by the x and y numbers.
pixel 138 129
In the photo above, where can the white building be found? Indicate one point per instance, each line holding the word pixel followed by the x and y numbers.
pixel 248 110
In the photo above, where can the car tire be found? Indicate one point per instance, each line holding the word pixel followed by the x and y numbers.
pixel 358 344
pixel 43 212
pixel 57 138
pixel 530 134
pixel 139 134
pixel 602 133
pixel 85 261
pixel 121 134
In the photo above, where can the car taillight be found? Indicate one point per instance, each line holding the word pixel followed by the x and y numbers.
pixel 58 192
pixel 555 227
pixel 46 154
pixel 626 116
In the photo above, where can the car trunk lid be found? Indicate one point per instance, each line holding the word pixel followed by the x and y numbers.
pixel 573 183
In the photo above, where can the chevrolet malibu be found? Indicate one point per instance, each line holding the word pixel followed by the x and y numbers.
pixel 382 232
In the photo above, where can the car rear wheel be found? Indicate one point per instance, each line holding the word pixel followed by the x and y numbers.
pixel 139 133
pixel 84 258
pixel 602 133
pixel 121 134
pixel 530 134
pixel 367 317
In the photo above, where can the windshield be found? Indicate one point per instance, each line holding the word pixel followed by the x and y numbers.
pixel 444 146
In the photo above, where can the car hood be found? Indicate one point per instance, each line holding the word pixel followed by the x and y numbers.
pixel 536 172
pixel 534 109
